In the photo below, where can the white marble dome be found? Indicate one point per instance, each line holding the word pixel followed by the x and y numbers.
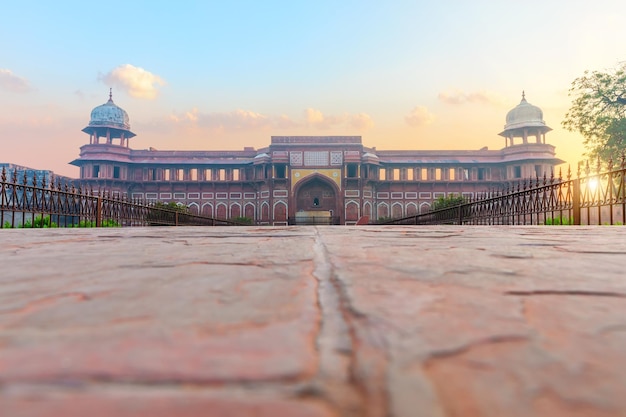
pixel 524 115
pixel 110 115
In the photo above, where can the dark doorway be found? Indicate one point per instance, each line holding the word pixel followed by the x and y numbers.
pixel 316 202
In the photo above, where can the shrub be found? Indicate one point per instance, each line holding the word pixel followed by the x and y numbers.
pixel 172 205
pixel 39 222
pixel 242 220
pixel 559 221
pixel 449 201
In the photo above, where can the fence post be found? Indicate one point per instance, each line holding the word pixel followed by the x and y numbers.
pixel 576 201
pixel 176 219
pixel 99 211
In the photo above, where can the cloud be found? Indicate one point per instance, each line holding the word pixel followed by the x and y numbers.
pixel 361 121
pixel 240 120
pixel 315 118
pixel 456 97
pixel 13 83
pixel 136 81
pixel 419 116
pixel 234 120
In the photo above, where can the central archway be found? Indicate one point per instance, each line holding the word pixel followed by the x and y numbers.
pixel 316 201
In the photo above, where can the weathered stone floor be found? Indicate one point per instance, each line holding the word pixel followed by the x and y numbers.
pixel 313 321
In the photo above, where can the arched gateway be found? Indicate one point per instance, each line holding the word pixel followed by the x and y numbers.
pixel 316 201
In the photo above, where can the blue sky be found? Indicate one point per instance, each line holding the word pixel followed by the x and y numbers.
pixel 223 75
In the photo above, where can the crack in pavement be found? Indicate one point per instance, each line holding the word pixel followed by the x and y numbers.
pixel 335 341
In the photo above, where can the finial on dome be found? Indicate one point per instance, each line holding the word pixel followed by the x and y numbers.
pixel 110 93
pixel 523 95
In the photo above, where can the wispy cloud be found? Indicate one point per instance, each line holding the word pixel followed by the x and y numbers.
pixel 238 120
pixel 456 97
pixel 136 81
pixel 13 83
pixel 315 118
pixel 361 121
pixel 229 121
pixel 419 116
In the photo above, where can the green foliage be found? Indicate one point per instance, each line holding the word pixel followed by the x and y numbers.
pixel 559 221
pixel 598 112
pixel 384 219
pixel 92 223
pixel 172 205
pixel 7 225
pixel 450 201
pixel 242 220
pixel 39 222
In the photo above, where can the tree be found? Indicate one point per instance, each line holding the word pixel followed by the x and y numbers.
pixel 598 112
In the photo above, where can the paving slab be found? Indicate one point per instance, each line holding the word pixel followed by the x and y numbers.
pixel 313 321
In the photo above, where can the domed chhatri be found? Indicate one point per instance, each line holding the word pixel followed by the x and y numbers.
pixel 109 121
pixel 109 114
pixel 525 120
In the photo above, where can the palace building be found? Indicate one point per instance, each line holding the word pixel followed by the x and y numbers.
pixel 309 179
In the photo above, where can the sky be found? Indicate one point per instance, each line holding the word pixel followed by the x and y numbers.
pixel 215 75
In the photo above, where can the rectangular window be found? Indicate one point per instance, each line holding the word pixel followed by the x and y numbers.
pixel 96 171
pixel 409 174
pixel 222 174
pixel 280 171
pixel 207 174
pixel 517 171
pixel 235 175
pixel 466 174
pixel 352 170
pixel 166 174
pixel 152 175
pixel 180 174
pixel 382 174
pixel 438 174
pixel 193 173
pixel 396 174
pixel 116 172
pixel 424 174
pixel 481 174
pixel 452 174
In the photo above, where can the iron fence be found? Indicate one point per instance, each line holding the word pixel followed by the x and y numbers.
pixel 55 204
pixel 595 197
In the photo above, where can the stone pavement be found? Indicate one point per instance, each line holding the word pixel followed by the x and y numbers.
pixel 313 321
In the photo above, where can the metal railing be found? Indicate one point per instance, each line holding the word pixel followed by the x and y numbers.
pixel 31 203
pixel 593 198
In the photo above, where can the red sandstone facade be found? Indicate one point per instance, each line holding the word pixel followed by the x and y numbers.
pixel 308 179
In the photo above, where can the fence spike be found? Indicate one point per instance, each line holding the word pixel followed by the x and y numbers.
pixel 4 174
pixel 24 178
pixel 610 166
pixel 560 175
pixel 43 182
